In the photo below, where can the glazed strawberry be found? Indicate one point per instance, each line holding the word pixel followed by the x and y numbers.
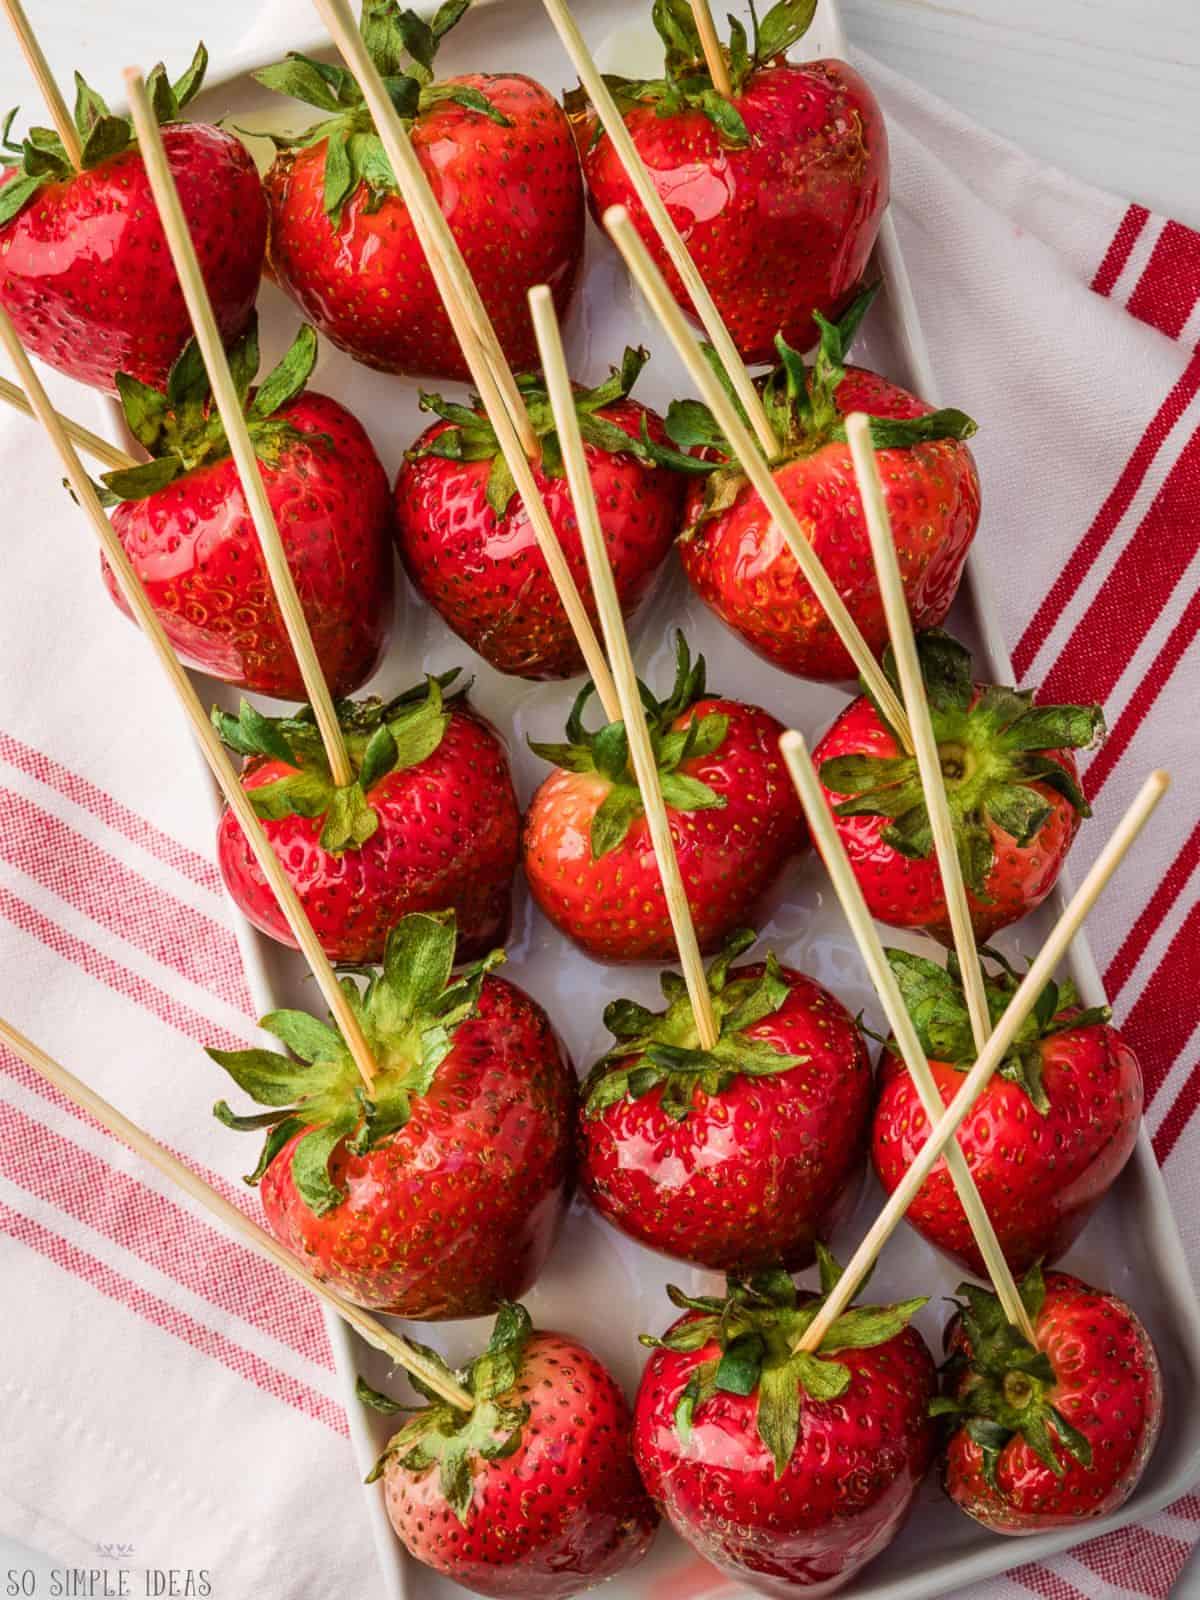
pixel 498 152
pixel 185 525
pixel 85 273
pixel 468 546
pixel 1045 1140
pixel 1051 1437
pixel 430 822
pixel 778 190
pixel 741 1156
pixel 440 1193
pixel 737 561
pixel 734 817
pixel 1011 781
pixel 787 1471
pixel 533 1493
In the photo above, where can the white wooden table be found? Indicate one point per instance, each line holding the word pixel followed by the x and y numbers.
pixel 1107 89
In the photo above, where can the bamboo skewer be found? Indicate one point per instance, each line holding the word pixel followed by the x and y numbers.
pixel 1019 1007
pixel 240 1225
pixel 210 743
pixel 35 60
pixel 714 56
pixel 652 285
pixel 109 454
pixel 870 948
pixel 633 714
pixel 212 348
pixel 655 207
pixel 474 332
pixel 924 743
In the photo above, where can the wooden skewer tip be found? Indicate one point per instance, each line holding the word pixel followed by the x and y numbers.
pixel 558 381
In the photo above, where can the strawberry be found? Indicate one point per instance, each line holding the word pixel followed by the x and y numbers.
pixel 533 1493
pixel 85 273
pixel 734 817
pixel 1011 782
pixel 1046 1139
pixel 185 525
pixel 430 822
pixel 741 1156
pixel 778 190
pixel 440 1193
pixel 498 152
pixel 467 544
pixel 786 1470
pixel 736 560
pixel 1048 1437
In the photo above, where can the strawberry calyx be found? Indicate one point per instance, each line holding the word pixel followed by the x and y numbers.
pixel 403 47
pixel 801 404
pixel 994 744
pixel 43 157
pixel 408 1011
pixel 662 1048
pixel 998 1385
pixel 606 751
pixel 452 1440
pixel 936 1001
pixel 687 83
pixel 182 429
pixel 381 737
pixel 471 436
pixel 756 1327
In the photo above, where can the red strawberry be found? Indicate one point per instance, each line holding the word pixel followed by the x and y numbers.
pixel 788 1471
pixel 85 273
pixel 1046 1139
pixel 534 1493
pixel 440 1194
pixel 736 559
pixel 499 154
pixel 430 823
pixel 741 1156
pixel 1051 1437
pixel 734 817
pixel 778 190
pixel 1010 778
pixel 186 527
pixel 467 543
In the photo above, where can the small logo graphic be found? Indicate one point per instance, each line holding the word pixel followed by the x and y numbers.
pixel 115 1552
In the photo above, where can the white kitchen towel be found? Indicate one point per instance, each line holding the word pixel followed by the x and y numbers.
pixel 170 1401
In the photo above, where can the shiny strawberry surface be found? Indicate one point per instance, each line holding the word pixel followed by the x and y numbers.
pixel 85 273
pixel 458 1210
pixel 1040 1175
pixel 752 1175
pixel 513 197
pixel 195 548
pixel 844 1494
pixel 447 840
pixel 564 1511
pixel 906 892
pixel 780 228
pixel 614 907
pixel 1108 1386
pixel 485 575
pixel 739 565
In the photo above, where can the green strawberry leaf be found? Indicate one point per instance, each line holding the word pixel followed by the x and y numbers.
pixel 310 1166
pixel 995 775
pixel 661 1050
pixel 783 25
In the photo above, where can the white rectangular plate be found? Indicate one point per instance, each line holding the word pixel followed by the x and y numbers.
pixel 1131 1246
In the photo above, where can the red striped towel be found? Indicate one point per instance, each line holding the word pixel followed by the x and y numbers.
pixel 170 1398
